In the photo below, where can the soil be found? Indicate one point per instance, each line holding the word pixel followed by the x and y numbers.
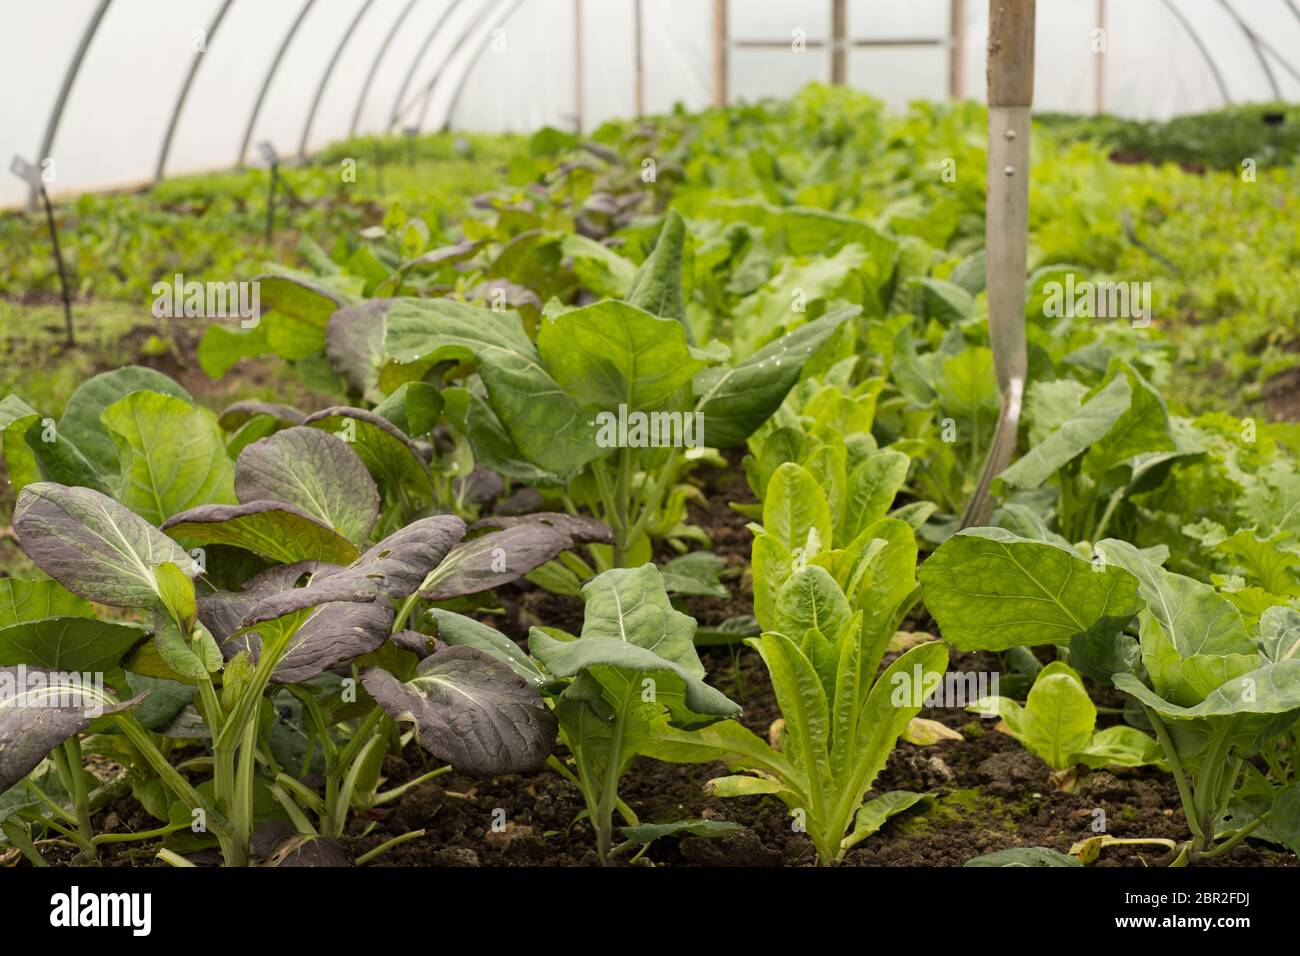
pixel 988 792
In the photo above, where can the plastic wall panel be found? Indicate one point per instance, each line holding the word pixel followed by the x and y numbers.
pixel 117 113
pixel 33 58
pixel 118 110
pixel 212 124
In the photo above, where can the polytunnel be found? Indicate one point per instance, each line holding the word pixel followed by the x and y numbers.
pixel 123 92
pixel 593 436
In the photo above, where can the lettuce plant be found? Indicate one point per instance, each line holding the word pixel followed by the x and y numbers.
pixel 1058 722
pixel 827 614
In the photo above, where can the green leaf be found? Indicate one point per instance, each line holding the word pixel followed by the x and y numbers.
pixel 631 633
pixel 390 456
pixel 1025 856
pixel 1191 614
pixel 414 408
pixel 221 348
pixel 315 471
pixel 872 487
pixel 612 354
pixel 795 505
pixel 989 589
pixel 172 455
pixel 461 631
pixel 82 424
pixel 1088 425
pixel 1058 718
pixel 177 594
pixel 695 575
pixel 1270 689
pixel 1279 633
pixel 279 532
pixel 802 698
pixel 543 422
pixel 649 832
pixel 32 600
pixel 736 401
pixel 81 644
pixel 1141 429
pixel 92 545
pixel 601 269
pixel 810 599
pixel 657 286
pixel 874 814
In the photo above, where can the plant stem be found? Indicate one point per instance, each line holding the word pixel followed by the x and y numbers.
pixel 603 817
pixel 141 834
pixel 388 796
pixel 173 859
pixel 387 845
pixel 1106 515
pixel 1184 793
pixel 68 760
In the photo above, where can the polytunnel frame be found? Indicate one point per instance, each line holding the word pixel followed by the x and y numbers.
pixel 1261 49
pixel 473 26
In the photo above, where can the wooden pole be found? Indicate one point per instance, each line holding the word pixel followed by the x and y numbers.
pixel 577 65
pixel 638 27
pixel 1099 64
pixel 1006 238
pixel 957 50
pixel 720 41
pixel 839 41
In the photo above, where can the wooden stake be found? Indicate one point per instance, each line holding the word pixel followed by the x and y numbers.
pixel 839 44
pixel 957 50
pixel 638 27
pixel 577 65
pixel 720 41
pixel 1099 65
pixel 1006 237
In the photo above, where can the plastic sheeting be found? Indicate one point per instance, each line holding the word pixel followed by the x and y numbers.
pixel 386 65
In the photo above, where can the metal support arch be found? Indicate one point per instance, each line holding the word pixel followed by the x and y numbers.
pixel 1254 45
pixel 325 77
pixel 185 92
pixel 374 67
pixel 270 75
pixel 427 93
pixel 500 23
pixel 1205 52
pixel 65 89
pixel 419 58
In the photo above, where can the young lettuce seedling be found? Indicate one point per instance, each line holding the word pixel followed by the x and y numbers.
pixel 1058 723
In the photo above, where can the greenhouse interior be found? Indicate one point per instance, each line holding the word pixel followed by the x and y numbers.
pixel 634 434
